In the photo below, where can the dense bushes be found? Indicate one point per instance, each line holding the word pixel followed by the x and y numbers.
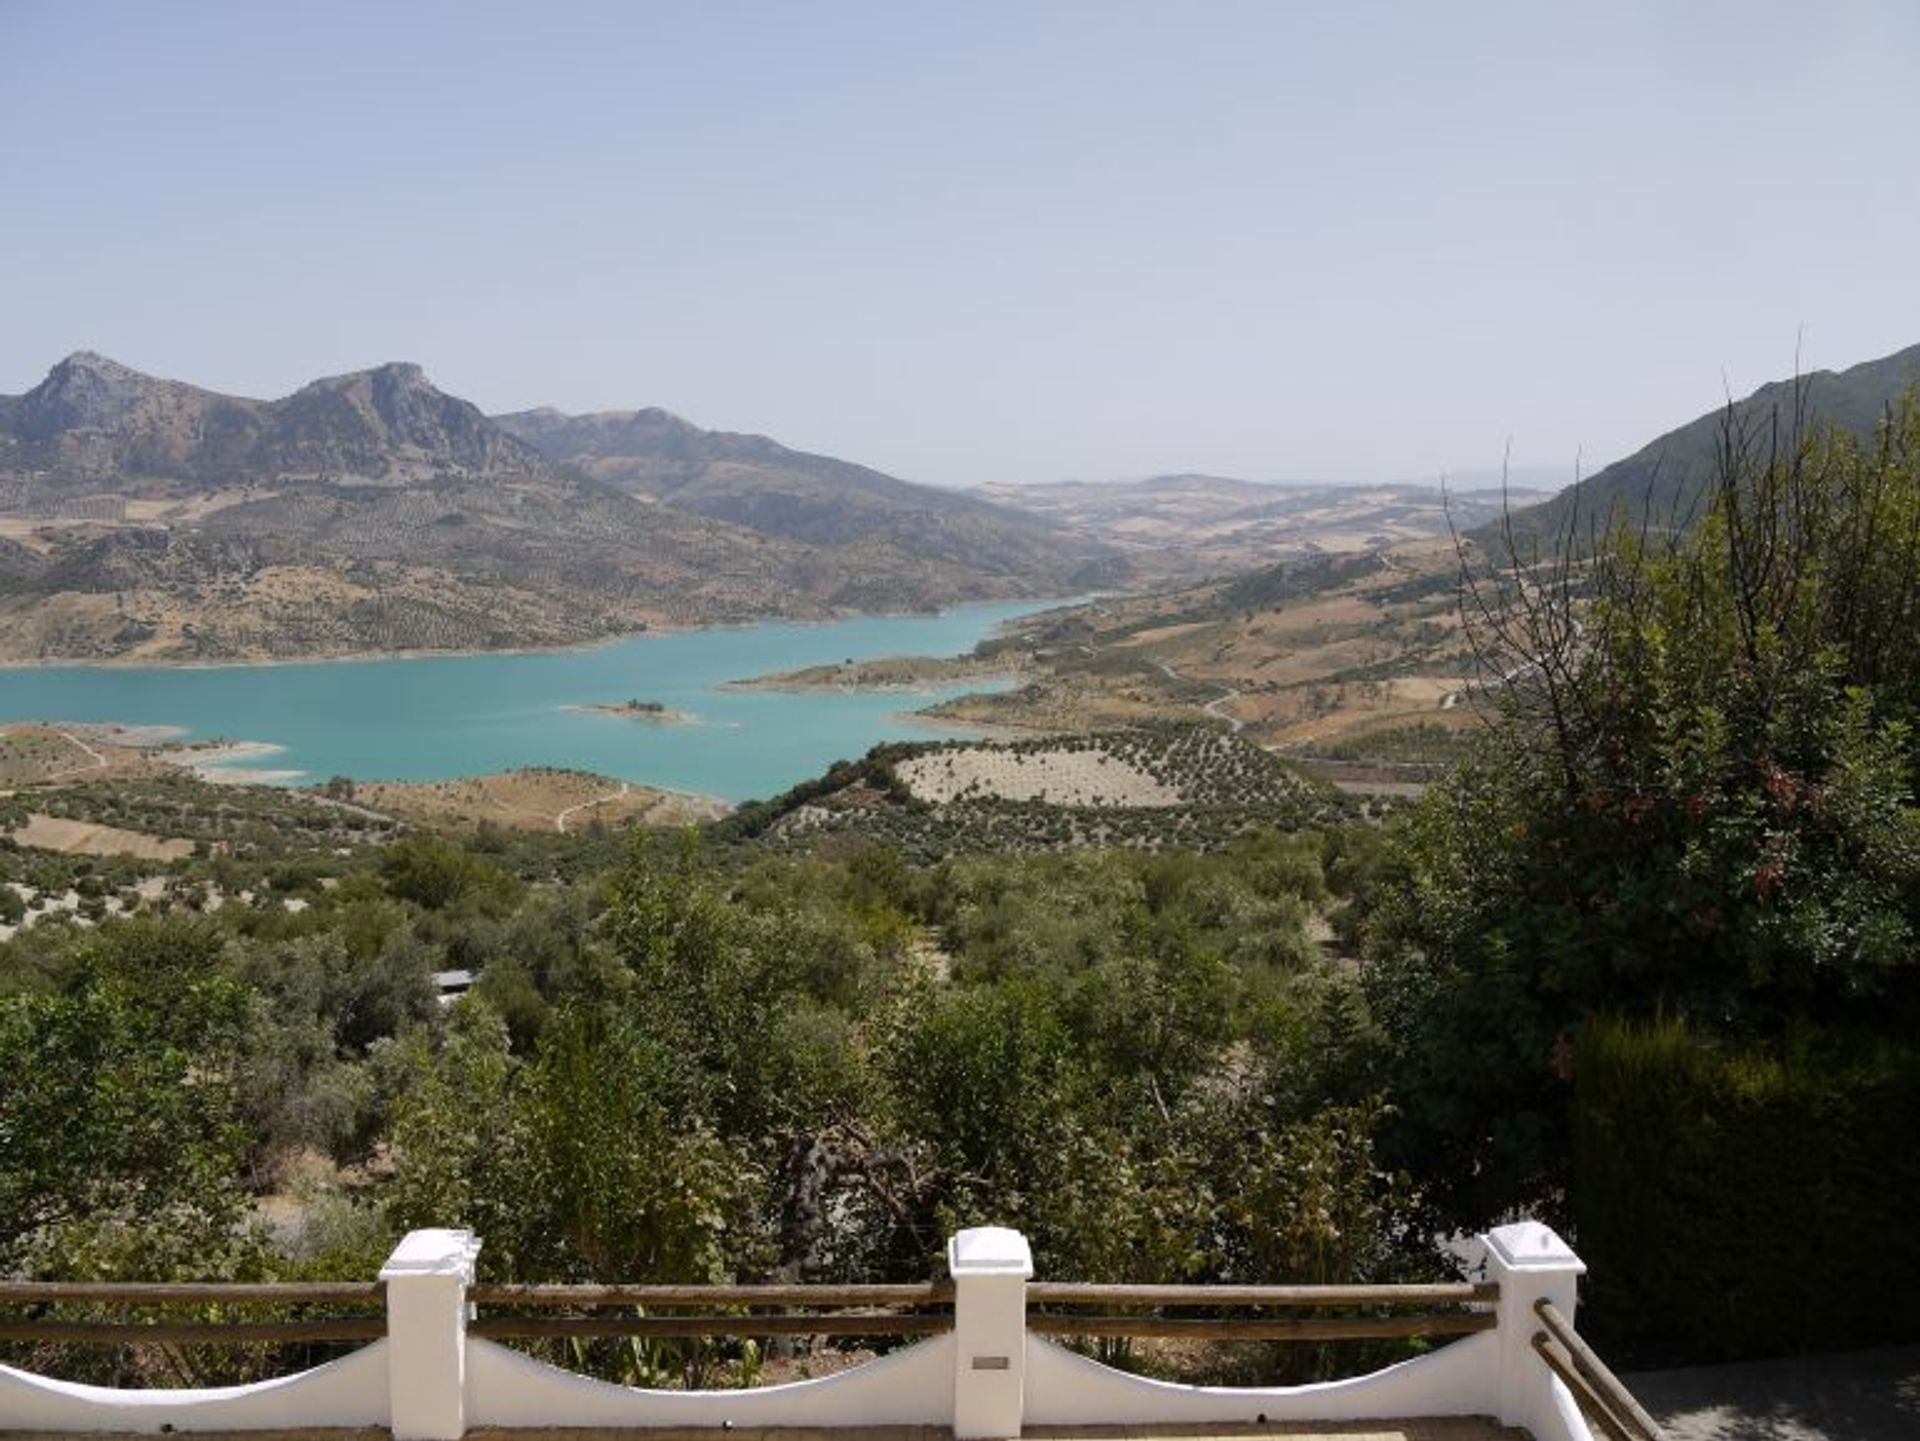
pixel 700 1063
pixel 1737 1200
pixel 1698 800
pixel 120 1129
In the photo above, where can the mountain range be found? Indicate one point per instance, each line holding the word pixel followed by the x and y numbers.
pixel 148 518
pixel 751 481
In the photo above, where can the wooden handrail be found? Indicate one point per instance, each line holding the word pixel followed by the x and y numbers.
pixel 1592 1405
pixel 117 1333
pixel 839 1318
pixel 924 1293
pixel 1100 1293
pixel 499 1328
pixel 586 1297
pixel 1608 1389
pixel 247 1293
pixel 1227 1328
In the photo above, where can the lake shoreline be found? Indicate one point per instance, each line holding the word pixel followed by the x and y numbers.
pixel 441 718
pixel 366 657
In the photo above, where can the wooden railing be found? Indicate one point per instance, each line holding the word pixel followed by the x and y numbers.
pixel 832 1310
pixel 1430 1322
pixel 1602 1396
pixel 125 1295
pixel 919 1309
pixel 989 1380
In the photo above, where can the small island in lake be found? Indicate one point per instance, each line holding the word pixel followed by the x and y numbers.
pixel 645 710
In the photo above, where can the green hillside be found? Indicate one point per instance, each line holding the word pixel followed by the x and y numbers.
pixel 1664 480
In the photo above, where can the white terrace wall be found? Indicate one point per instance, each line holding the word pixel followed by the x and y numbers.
pixel 430 1381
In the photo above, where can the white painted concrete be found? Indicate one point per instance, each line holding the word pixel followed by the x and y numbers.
pixel 913 1387
pixel 990 1266
pixel 430 1381
pixel 427 1278
pixel 1531 1263
pixel 1067 1389
pixel 349 1392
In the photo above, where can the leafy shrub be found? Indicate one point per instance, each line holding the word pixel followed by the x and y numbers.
pixel 1738 1200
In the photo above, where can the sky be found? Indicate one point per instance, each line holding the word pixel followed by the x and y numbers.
pixel 982 242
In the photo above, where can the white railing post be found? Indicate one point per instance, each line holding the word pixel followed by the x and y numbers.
pixel 990 1266
pixel 1532 1264
pixel 427 1278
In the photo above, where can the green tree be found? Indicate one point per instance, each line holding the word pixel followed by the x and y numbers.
pixel 1698 798
pixel 120 1134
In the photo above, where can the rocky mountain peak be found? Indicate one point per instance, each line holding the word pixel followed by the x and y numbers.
pixel 392 377
pixel 402 372
pixel 93 363
pixel 388 421
pixel 86 391
pixel 391 417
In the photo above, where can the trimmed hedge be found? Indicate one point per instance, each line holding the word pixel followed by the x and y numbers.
pixel 1740 1201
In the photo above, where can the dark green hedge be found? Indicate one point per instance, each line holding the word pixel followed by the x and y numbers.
pixel 1745 1201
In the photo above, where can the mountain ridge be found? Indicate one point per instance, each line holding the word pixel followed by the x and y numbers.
pixel 1664 480
pixel 149 518
pixel 385 421
pixel 755 481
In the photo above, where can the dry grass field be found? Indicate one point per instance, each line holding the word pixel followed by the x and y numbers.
pixel 42 755
pixel 83 838
pixel 536 799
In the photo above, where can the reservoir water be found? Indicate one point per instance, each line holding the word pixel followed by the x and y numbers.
pixel 434 717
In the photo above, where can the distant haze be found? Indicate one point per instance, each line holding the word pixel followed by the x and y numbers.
pixel 985 243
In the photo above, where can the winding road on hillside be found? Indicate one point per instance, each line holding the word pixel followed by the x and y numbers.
pixel 95 761
pixel 1212 707
pixel 560 821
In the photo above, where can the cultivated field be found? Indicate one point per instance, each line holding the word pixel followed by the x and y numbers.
pixel 1150 788
pixel 536 799
pixel 57 833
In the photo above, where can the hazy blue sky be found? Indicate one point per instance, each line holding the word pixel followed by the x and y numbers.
pixel 976 241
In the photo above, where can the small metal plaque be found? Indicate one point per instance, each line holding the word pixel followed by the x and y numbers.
pixel 991 1363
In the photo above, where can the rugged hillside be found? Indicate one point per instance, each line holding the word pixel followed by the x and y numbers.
pixel 146 518
pixel 1185 526
pixel 752 481
pixel 1664 480
pixel 95 419
pixel 1324 652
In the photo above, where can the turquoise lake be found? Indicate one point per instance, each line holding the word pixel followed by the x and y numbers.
pixel 434 717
